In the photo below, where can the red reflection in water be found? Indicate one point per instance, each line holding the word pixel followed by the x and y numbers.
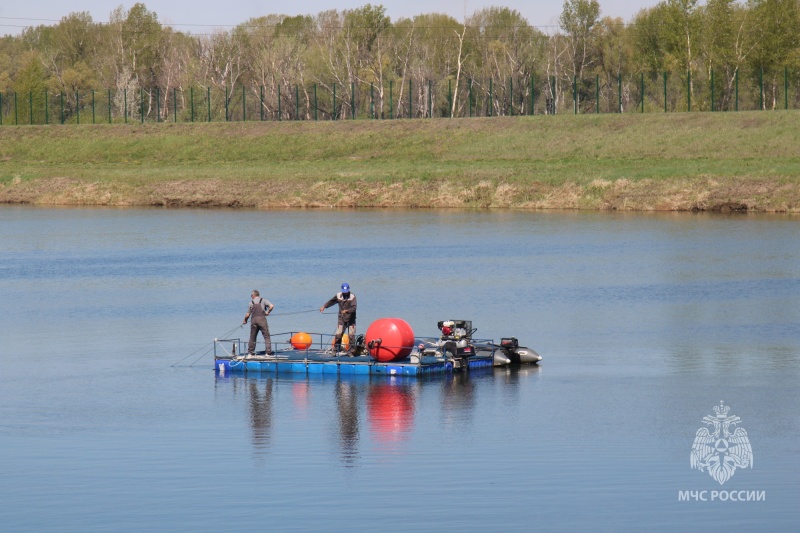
pixel 300 394
pixel 390 409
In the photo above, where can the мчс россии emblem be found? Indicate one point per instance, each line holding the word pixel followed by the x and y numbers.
pixel 721 447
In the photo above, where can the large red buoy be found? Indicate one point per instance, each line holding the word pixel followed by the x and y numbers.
pixel 389 339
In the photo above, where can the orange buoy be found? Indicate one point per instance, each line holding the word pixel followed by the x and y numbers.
pixel 301 341
pixel 389 339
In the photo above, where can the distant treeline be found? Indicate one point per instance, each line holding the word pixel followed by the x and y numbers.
pixel 676 56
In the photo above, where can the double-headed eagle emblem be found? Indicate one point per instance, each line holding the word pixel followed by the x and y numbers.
pixel 722 450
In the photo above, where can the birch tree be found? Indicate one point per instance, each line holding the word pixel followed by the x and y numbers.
pixel 579 20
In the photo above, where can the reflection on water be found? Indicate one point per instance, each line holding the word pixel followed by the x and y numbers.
pixel 347 407
pixel 384 407
pixel 261 413
pixel 458 397
pixel 390 410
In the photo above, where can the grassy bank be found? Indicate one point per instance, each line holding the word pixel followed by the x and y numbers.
pixel 682 161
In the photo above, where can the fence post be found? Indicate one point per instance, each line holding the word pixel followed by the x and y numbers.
pixel 597 94
pixel 575 93
pixel 511 96
pixel 450 96
pixel 689 91
pixel 491 99
pixel 430 98
pixel 712 90
pixel 665 91
pixel 469 97
pixel 642 91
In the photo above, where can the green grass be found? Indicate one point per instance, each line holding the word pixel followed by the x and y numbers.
pixel 533 157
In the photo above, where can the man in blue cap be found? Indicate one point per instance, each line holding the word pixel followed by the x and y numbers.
pixel 347 317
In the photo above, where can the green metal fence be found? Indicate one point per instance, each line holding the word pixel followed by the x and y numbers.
pixel 644 92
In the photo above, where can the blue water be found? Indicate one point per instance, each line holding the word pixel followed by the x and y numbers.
pixel 111 417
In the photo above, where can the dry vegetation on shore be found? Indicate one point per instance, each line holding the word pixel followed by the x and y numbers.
pixel 701 161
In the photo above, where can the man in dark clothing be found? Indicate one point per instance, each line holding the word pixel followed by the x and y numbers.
pixel 347 316
pixel 257 312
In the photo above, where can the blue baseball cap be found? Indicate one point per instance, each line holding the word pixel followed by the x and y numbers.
pixel 345 287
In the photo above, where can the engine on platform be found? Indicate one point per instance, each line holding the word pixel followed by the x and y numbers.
pixel 456 341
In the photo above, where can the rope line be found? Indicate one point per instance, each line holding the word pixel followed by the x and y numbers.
pixel 298 313
pixel 204 346
pixel 225 335
pixel 203 355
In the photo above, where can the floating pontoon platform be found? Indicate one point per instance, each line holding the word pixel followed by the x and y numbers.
pixel 317 353
pixel 228 359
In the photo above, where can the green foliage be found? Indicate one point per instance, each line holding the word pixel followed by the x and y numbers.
pixel 776 34
pixel 364 25
pixel 486 63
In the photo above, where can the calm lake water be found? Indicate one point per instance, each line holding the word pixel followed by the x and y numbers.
pixel 111 417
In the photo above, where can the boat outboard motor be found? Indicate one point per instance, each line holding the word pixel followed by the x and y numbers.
pixel 518 354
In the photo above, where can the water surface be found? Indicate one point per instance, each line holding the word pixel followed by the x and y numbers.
pixel 111 416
